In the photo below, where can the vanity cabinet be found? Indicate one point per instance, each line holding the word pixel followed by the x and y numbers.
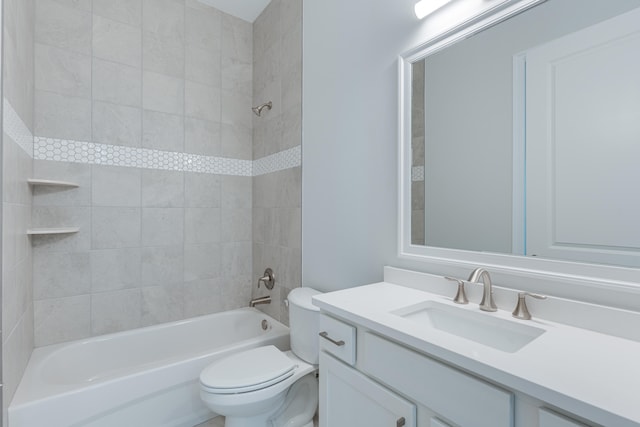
pixel 350 399
pixel 389 381
pixel 369 380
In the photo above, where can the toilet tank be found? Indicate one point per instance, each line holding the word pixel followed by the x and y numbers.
pixel 304 320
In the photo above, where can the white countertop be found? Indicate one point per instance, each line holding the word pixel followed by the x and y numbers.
pixel 590 374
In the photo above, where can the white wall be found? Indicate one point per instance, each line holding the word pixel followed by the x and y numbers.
pixel 349 178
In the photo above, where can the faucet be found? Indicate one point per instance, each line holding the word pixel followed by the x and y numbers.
pixel 487 303
pixel 261 300
pixel 268 278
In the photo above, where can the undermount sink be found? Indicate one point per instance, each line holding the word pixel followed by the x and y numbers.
pixel 486 329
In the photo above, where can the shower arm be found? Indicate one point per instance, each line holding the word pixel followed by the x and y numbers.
pixel 258 110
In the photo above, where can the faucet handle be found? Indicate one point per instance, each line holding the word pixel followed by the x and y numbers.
pixel 269 279
pixel 521 311
pixel 461 296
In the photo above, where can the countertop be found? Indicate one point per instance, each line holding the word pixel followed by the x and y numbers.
pixel 590 374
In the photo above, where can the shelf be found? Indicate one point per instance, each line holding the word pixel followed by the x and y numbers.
pixel 51 183
pixel 45 231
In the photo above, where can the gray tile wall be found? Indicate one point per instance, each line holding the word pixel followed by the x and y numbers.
pixel 277 71
pixel 417 153
pixel 17 289
pixel 154 246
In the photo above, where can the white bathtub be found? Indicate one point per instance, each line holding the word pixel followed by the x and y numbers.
pixel 141 378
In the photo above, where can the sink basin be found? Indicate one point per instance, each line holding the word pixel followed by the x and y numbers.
pixel 500 334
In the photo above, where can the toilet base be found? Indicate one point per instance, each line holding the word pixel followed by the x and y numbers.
pixel 250 422
pixel 296 410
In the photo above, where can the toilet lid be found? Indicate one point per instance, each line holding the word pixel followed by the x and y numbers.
pixel 247 371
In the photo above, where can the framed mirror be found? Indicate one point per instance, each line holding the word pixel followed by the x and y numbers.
pixel 520 140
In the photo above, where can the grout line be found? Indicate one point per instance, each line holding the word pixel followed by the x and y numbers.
pixel 91 172
pixel 184 173
pixel 142 82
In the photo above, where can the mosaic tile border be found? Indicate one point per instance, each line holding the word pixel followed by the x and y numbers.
pixel 286 159
pixel 417 173
pixel 64 150
pixel 15 128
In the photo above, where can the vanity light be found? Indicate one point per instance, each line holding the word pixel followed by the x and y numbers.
pixel 425 7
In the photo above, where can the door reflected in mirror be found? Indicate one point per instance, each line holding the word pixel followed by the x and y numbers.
pixel 525 138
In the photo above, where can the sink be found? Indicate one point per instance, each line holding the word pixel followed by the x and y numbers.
pixel 486 329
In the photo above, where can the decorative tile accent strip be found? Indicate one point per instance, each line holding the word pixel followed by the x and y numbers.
pixel 16 128
pixel 286 159
pixel 417 173
pixel 217 165
pixel 114 155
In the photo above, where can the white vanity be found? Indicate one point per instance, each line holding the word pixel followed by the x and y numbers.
pixel 400 353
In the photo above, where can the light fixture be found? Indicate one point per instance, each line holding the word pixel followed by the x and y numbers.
pixel 425 7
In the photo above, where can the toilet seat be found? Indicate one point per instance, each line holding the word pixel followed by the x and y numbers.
pixel 247 371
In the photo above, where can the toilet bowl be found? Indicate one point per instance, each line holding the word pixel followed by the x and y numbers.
pixel 264 386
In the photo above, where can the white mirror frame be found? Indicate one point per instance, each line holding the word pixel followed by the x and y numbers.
pixel 578 275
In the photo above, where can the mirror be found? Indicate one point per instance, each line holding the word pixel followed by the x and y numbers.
pixel 525 136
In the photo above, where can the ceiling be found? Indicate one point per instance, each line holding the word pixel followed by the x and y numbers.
pixel 247 10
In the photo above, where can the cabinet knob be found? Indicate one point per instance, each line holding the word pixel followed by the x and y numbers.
pixel 401 421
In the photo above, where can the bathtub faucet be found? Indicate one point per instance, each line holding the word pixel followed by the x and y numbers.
pixel 261 300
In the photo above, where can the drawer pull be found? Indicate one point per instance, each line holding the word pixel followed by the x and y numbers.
pixel 325 335
pixel 401 422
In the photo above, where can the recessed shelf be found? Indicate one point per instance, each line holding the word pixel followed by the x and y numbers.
pixel 51 183
pixel 45 231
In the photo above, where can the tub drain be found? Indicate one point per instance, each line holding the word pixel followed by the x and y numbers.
pixel 265 324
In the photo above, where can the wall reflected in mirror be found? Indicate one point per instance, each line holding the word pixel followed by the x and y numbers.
pixel 526 136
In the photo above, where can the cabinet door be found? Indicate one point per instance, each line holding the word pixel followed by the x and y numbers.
pixel 435 422
pixel 551 419
pixel 349 399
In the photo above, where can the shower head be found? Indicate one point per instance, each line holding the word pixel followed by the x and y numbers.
pixel 258 110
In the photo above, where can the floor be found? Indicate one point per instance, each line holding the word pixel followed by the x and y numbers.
pixel 214 422
pixel 219 422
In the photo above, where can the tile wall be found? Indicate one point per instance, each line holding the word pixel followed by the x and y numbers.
pixel 417 155
pixel 277 72
pixel 153 79
pixel 155 244
pixel 17 163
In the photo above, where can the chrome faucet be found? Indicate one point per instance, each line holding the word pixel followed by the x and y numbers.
pixel 487 303
pixel 261 300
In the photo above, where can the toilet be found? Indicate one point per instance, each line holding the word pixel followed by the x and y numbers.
pixel 267 387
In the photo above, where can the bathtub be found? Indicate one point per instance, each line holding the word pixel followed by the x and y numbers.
pixel 145 377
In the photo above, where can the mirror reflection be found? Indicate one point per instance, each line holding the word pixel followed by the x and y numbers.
pixel 526 136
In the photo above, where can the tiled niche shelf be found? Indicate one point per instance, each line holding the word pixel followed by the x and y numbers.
pixel 47 231
pixel 51 230
pixel 51 183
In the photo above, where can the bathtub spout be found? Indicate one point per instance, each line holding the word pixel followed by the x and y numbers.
pixel 261 300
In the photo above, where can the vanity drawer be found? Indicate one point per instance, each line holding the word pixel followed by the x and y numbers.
pixel 551 419
pixel 338 338
pixel 458 397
